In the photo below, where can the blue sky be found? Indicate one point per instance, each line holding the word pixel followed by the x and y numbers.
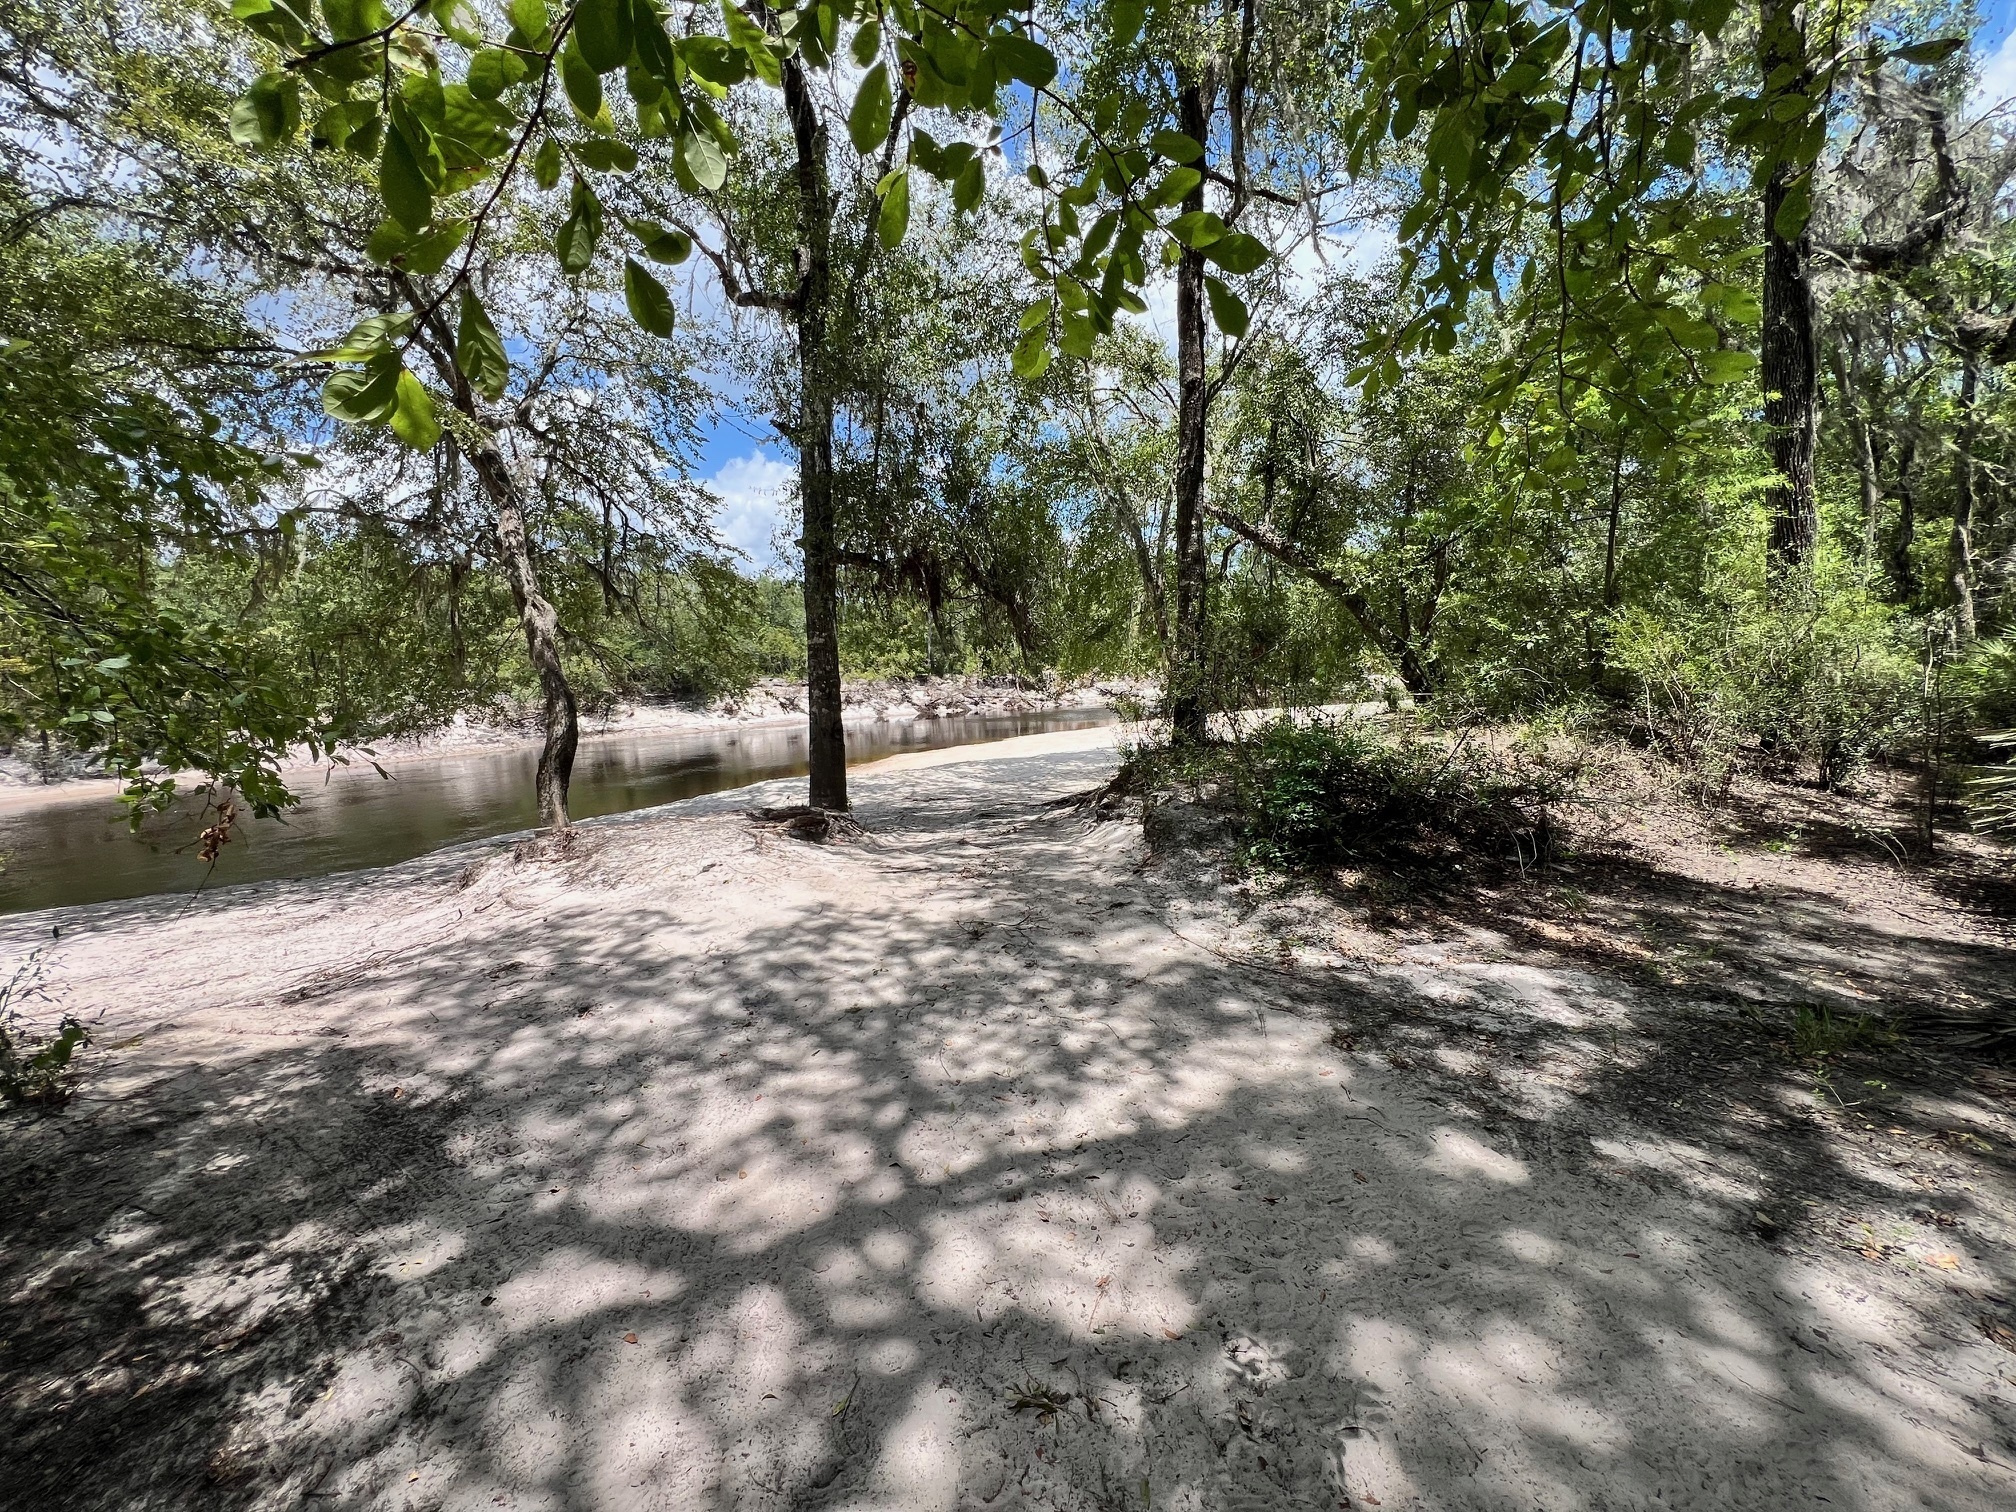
pixel 1997 17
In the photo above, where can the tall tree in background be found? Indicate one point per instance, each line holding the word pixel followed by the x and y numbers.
pixel 1628 268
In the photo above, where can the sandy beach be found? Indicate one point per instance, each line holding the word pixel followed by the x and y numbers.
pixel 970 1163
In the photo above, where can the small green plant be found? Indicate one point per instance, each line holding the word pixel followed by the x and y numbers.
pixel 41 1074
pixel 34 1069
pixel 1815 1031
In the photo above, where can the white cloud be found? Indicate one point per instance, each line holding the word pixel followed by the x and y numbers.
pixel 1307 263
pixel 1997 80
pixel 1358 251
pixel 754 492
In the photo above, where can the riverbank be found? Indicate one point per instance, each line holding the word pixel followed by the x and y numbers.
pixel 29 777
pixel 987 1160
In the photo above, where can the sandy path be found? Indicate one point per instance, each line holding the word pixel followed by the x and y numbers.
pixel 933 1171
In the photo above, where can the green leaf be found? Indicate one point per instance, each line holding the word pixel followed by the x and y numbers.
pixel 1198 229
pixel 413 414
pixel 363 396
pixel 579 78
pixel 662 244
pixel 753 43
pixel 580 231
pixel 650 306
pixel 546 164
pixel 458 19
pixel 494 70
pixel 868 121
pixel 406 191
pixel 1019 57
pixel 655 52
pixel 1176 147
pixel 430 252
pixel 1177 183
pixel 867 42
pixel 1236 252
pixel 268 113
pixel 483 127
pixel 1930 52
pixel 1726 367
pixel 368 340
pixel 1228 310
pixel 531 19
pixel 970 187
pixel 1032 354
pixel 704 160
pixel 347 19
pixel 607 155
pixel 602 29
pixel 1795 209
pixel 714 60
pixel 895 217
pixel 427 253
pixel 479 350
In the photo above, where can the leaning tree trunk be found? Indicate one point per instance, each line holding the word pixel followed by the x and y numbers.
pixel 541 624
pixel 1961 558
pixel 536 615
pixel 1789 361
pixel 820 544
pixel 1186 661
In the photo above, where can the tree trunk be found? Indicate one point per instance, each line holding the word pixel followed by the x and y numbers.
pixel 1961 560
pixel 814 439
pixel 1861 435
pixel 1901 576
pixel 541 625
pixel 1610 534
pixel 1789 363
pixel 1417 675
pixel 536 616
pixel 1186 663
pixel 1872 492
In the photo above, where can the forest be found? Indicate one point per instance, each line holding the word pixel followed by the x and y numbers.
pixel 1376 663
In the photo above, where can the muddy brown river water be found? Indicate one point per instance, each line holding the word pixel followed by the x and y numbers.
pixel 79 849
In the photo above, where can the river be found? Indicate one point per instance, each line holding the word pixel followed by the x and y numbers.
pixel 71 850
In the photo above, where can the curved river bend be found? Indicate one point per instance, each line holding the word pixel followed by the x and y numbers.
pixel 71 850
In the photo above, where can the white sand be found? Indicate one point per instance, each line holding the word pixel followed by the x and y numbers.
pixel 859 1142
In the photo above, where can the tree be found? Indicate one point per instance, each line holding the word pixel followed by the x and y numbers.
pixel 1628 269
pixel 110 454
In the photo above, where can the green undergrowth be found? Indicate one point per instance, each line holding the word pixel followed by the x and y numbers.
pixel 1816 1031
pixel 1314 792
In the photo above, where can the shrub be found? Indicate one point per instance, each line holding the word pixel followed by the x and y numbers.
pixel 1987 680
pixel 1328 791
pixel 1829 681
pixel 1991 798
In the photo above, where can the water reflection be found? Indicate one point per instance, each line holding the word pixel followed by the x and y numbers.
pixel 80 850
